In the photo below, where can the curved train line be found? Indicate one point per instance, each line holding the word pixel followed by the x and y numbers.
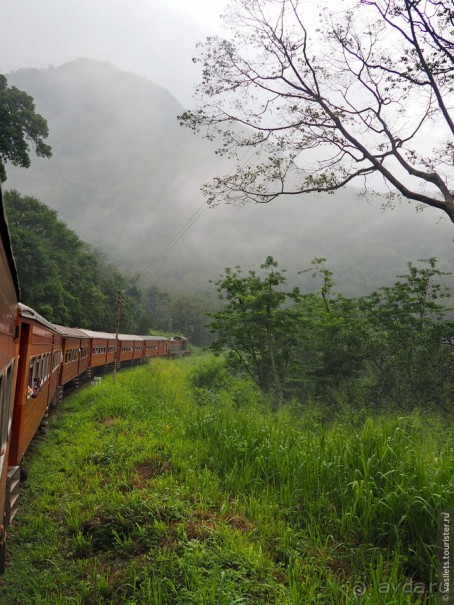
pixel 38 360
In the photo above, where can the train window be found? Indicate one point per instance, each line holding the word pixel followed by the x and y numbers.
pixel 6 397
pixel 46 366
pixel 56 360
pixel 31 372
pixel 2 444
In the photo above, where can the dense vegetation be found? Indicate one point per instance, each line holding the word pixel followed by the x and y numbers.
pixel 60 276
pixel 395 345
pixel 177 485
pixel 20 126
pixel 71 283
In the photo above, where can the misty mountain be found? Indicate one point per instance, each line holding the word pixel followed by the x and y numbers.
pixel 127 178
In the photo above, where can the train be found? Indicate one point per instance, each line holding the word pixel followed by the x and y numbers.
pixel 39 360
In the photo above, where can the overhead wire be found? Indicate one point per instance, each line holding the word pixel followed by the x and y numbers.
pixel 190 222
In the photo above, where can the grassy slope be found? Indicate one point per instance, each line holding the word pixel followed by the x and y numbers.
pixel 138 494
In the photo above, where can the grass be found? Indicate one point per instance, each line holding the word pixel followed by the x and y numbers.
pixel 177 485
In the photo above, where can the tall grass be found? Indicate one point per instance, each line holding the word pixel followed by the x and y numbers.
pixel 178 485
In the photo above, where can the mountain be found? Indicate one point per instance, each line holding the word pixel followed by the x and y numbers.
pixel 126 177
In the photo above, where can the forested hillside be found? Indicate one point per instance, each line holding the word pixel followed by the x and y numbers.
pixel 63 278
pixel 72 283
pixel 127 178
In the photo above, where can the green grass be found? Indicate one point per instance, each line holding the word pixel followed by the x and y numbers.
pixel 177 485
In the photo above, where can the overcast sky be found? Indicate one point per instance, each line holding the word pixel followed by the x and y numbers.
pixel 152 38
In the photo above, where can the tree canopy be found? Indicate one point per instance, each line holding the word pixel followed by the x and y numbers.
pixel 73 284
pixel 62 277
pixel 20 126
pixel 395 345
pixel 312 102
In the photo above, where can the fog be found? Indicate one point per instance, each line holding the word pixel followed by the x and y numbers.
pixel 133 168
pixel 150 38
pixel 126 177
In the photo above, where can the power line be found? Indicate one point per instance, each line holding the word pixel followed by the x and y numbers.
pixel 180 234
pixel 190 222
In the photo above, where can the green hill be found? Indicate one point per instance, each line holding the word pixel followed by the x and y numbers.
pixel 127 178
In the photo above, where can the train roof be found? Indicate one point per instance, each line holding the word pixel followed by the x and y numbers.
pixel 30 313
pixel 93 334
pixel 4 230
pixel 129 337
pixel 74 332
pixel 137 337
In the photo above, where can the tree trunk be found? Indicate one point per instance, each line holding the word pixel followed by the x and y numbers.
pixel 276 378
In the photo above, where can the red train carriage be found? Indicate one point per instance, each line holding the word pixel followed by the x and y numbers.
pixel 131 348
pixel 75 354
pixel 137 349
pixel 155 346
pixel 125 347
pixel 9 296
pixel 40 352
pixel 101 349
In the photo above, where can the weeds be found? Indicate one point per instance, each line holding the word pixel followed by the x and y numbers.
pixel 141 494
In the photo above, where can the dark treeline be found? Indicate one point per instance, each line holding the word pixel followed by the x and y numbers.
pixel 71 283
pixel 394 346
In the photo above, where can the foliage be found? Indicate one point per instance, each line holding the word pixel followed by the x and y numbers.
pixel 157 307
pixel 71 283
pixel 320 101
pixel 61 277
pixel 139 495
pixel 187 314
pixel 19 126
pixel 212 374
pixel 408 340
pixel 394 345
pixel 256 325
pixel 182 314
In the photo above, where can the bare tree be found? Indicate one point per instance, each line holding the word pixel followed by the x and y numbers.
pixel 310 101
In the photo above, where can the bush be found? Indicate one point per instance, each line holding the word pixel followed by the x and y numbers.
pixel 211 374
